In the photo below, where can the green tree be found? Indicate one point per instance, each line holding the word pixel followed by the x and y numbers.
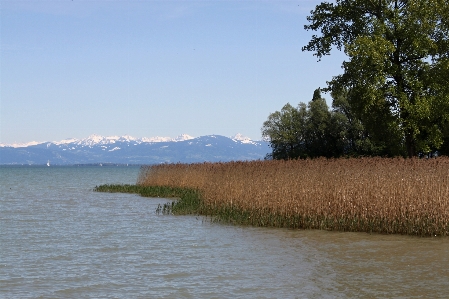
pixel 317 127
pixel 397 75
pixel 300 132
pixel 284 130
pixel 355 138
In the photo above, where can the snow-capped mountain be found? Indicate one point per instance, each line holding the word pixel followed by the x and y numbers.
pixel 240 138
pixel 131 150
pixel 94 140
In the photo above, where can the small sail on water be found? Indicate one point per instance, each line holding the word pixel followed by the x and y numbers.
pixel 48 163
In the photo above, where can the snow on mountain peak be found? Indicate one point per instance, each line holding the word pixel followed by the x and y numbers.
pixel 241 138
pixel 98 139
pixel 65 141
pixel 95 139
pixel 183 137
pixel 127 138
pixel 20 144
pixel 156 139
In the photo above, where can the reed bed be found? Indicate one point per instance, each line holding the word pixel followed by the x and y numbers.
pixel 403 196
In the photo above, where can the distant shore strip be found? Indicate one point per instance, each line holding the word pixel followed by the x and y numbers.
pixel 374 195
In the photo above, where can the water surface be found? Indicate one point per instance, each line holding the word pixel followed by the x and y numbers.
pixel 59 239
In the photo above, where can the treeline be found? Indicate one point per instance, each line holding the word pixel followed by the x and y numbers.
pixel 316 130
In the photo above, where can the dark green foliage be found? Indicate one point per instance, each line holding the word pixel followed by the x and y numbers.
pixel 314 130
pixel 319 140
pixel 365 138
pixel 285 130
pixel 393 96
pixel 396 78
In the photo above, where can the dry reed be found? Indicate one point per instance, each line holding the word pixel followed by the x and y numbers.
pixel 405 196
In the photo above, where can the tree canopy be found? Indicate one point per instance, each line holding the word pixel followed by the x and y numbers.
pixel 396 79
pixel 314 130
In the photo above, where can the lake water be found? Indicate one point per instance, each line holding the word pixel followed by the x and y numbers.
pixel 59 239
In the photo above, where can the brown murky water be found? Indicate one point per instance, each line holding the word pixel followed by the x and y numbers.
pixel 58 239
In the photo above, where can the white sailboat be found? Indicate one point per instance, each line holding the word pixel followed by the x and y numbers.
pixel 48 163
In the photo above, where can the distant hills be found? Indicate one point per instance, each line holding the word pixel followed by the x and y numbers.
pixel 129 150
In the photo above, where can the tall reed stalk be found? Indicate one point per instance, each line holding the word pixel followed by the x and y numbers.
pixel 404 196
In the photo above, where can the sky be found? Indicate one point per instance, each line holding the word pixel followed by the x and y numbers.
pixel 69 69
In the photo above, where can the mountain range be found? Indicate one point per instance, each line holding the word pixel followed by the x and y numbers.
pixel 98 149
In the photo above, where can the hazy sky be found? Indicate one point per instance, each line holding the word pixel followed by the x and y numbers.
pixel 152 68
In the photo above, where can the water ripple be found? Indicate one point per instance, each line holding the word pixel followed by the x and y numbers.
pixel 58 239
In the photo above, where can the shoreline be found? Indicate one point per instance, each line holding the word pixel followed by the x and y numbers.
pixel 374 195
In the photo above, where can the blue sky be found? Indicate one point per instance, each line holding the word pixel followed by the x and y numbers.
pixel 152 68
